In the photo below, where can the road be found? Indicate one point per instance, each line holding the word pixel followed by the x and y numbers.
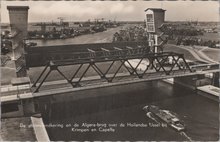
pixel 196 53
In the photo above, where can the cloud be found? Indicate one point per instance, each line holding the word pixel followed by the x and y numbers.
pixel 120 8
pixel 192 10
pixel 116 8
pixel 67 10
pixel 41 11
pixel 128 9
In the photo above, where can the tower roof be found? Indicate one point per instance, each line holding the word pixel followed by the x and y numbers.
pixel 17 7
pixel 155 9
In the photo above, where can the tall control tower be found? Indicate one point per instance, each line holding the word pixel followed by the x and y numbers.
pixel 155 17
pixel 18 16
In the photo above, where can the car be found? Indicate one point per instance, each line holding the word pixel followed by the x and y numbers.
pixel 30 44
pixel 5 50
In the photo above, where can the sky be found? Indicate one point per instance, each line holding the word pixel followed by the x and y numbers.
pixel 47 11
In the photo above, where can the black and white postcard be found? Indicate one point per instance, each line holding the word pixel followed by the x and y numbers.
pixel 110 70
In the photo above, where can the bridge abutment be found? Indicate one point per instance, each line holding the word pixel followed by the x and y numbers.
pixel 12 109
pixel 18 108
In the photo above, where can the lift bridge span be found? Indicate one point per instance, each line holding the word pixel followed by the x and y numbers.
pixel 125 63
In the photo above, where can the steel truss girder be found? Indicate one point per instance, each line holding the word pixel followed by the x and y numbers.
pixel 157 61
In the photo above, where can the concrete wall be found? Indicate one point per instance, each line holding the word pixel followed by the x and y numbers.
pixel 21 108
pixel 18 112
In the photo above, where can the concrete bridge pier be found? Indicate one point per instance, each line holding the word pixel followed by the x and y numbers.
pixel 43 105
pixel 198 80
pixel 215 79
pixel 192 82
pixel 28 107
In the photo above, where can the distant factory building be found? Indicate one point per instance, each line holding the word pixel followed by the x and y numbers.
pixel 154 19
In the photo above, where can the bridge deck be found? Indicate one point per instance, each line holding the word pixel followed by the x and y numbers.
pixel 62 86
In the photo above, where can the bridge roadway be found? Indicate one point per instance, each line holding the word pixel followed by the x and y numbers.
pixel 14 93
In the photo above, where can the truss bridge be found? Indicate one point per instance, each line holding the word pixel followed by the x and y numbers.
pixel 110 63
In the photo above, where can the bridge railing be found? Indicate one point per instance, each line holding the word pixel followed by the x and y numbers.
pixel 98 54
pixel 40 55
pixel 204 67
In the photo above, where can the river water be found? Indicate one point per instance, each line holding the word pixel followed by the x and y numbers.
pixel 199 114
pixel 105 36
pixel 123 110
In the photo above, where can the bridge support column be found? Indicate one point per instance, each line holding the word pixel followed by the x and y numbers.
pixel 28 107
pixel 192 81
pixel 216 79
pixel 44 106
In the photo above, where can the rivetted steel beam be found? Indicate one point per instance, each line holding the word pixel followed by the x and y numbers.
pixel 114 58
pixel 90 50
pixel 106 50
pixel 117 48
pixel 129 47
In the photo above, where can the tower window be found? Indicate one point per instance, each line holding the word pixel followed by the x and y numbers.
pixel 150 27
pixel 149 17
